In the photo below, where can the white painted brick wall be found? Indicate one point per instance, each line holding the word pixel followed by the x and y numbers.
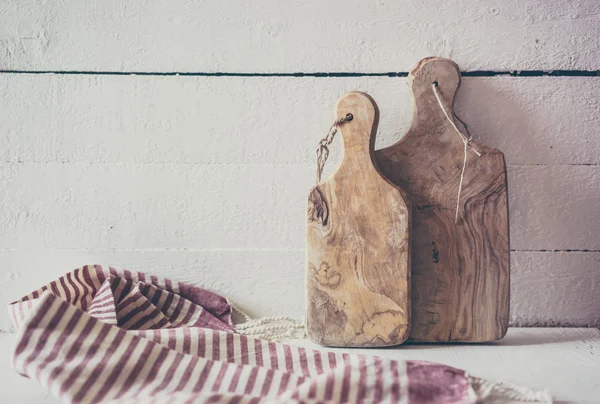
pixel 204 178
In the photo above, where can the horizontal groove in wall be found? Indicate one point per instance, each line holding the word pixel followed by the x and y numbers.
pixel 558 251
pixel 212 163
pixel 266 250
pixel 166 249
pixel 475 73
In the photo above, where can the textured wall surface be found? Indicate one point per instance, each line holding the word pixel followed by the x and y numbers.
pixel 202 176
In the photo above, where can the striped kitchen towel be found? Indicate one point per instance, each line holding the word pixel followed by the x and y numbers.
pixel 99 335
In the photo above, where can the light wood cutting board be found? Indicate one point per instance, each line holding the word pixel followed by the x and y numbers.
pixel 358 227
pixel 460 270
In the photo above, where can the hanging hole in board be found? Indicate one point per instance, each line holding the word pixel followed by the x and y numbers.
pixel 435 83
pixel 349 117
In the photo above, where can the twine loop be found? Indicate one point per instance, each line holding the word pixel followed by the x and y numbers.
pixel 323 150
pixel 466 142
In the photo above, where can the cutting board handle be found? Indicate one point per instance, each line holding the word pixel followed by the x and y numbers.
pixel 359 133
pixel 460 263
pixel 358 238
pixel 428 71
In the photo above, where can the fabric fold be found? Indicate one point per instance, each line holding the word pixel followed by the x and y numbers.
pixel 132 300
pixel 102 335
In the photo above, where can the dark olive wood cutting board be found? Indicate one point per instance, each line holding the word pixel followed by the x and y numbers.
pixel 358 227
pixel 460 268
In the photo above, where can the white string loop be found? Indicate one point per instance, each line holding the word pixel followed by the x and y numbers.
pixel 496 392
pixel 466 142
pixel 269 328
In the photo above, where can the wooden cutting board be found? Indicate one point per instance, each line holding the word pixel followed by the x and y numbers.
pixel 358 228
pixel 460 270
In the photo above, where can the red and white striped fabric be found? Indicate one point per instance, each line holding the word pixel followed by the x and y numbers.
pixel 103 335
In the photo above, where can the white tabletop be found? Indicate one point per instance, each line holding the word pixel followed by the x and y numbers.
pixel 565 361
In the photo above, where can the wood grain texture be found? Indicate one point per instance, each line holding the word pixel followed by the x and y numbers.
pixel 460 271
pixel 358 244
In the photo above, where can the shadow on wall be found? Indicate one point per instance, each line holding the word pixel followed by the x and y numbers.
pixel 508 130
pixel 476 99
